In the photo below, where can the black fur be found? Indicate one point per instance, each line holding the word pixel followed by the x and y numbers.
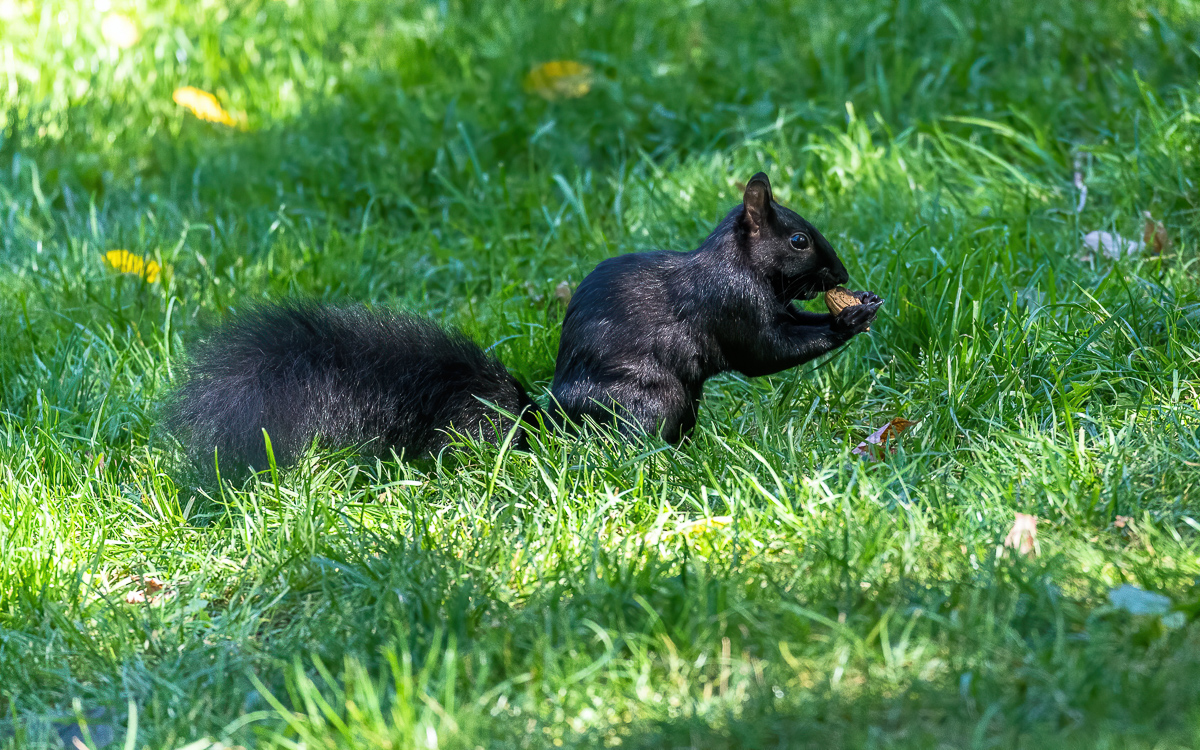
pixel 376 380
pixel 641 335
pixel 644 331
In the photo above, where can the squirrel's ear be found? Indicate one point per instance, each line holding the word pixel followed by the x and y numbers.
pixel 757 201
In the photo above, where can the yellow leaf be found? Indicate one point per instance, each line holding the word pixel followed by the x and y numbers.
pixel 124 261
pixel 560 79
pixel 202 104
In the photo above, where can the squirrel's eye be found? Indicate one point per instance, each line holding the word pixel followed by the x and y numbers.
pixel 799 241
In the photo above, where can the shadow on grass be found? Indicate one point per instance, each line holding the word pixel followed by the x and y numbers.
pixel 710 645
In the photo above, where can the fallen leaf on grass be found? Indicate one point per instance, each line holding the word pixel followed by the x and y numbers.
pixel 150 590
pixel 562 292
pixel 1154 235
pixel 203 105
pixel 1127 526
pixel 1110 245
pixel 560 79
pixel 881 438
pixel 124 261
pixel 1023 535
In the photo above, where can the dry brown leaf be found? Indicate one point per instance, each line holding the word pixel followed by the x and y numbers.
pixel 149 590
pixel 1154 235
pixel 881 438
pixel 1022 537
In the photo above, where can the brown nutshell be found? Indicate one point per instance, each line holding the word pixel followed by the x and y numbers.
pixel 838 299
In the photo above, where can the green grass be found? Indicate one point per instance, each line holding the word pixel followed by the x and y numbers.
pixel 759 587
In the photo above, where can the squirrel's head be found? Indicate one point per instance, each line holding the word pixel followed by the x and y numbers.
pixel 781 244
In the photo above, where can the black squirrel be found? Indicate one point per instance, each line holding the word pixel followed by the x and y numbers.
pixel 641 335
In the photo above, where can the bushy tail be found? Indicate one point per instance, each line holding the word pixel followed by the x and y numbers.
pixel 347 376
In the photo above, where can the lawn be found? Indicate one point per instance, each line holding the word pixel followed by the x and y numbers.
pixel 761 586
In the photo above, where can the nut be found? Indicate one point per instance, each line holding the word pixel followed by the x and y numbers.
pixel 838 299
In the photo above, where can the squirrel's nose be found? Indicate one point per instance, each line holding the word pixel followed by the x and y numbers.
pixel 834 276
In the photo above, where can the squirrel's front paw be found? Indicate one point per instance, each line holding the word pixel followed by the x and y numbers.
pixel 868 298
pixel 856 318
